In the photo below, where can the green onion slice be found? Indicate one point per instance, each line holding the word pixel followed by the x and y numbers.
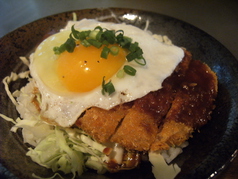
pixel 74 32
pixel 120 32
pixel 109 36
pixel 99 36
pixel 134 47
pixel 131 56
pixel 120 73
pixel 94 43
pixel 105 52
pixel 85 43
pixel 98 28
pixel 107 87
pixel 114 50
pixel 93 34
pixel 141 61
pixel 129 70
pixel 70 45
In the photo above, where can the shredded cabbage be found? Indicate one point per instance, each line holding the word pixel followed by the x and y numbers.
pixel 160 168
pixel 173 152
pixel 69 150
pixel 58 152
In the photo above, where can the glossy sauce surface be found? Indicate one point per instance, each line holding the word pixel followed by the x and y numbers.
pixel 192 89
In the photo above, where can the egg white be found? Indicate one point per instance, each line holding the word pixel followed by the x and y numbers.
pixel 64 107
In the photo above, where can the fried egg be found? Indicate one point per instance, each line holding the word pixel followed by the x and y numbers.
pixel 70 83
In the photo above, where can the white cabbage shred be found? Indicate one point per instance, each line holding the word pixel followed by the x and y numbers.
pixel 160 168
pixel 59 151
pixel 69 150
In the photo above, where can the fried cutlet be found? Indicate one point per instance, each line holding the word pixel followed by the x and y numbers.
pixel 100 123
pixel 139 128
pixel 191 108
pixel 163 118
pixel 137 131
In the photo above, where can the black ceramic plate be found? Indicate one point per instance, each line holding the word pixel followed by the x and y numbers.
pixel 209 150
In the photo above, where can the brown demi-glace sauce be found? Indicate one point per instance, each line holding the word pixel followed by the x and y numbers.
pixel 192 88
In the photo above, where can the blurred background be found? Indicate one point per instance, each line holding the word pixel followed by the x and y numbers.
pixel 218 18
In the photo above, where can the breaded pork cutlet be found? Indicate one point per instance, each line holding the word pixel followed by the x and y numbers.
pixel 100 123
pixel 139 128
pixel 137 131
pixel 163 118
pixel 191 108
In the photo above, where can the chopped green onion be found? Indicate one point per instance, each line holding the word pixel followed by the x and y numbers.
pixel 59 50
pixel 143 63
pixel 114 50
pixel 99 37
pixel 99 28
pixel 93 34
pixel 84 34
pixel 105 42
pixel 131 56
pixel 79 35
pixel 129 70
pixel 134 47
pixel 120 38
pixel 75 32
pixel 94 43
pixel 120 73
pixel 120 32
pixel 108 87
pixel 85 43
pixel 123 41
pixel 109 35
pixel 71 36
pixel 70 45
pixel 105 52
pixel 135 55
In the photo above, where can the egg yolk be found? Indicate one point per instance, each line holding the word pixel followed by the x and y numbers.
pixel 84 69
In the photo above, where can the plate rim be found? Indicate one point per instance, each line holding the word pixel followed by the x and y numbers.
pixel 129 9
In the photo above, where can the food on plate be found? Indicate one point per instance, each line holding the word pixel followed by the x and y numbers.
pixel 103 95
pixel 47 72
